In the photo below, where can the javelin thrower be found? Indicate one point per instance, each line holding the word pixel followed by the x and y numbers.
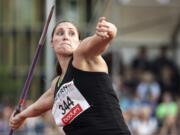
pixel 81 96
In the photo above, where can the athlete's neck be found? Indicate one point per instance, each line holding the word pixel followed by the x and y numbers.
pixel 64 62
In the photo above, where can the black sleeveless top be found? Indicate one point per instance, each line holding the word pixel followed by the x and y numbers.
pixel 104 116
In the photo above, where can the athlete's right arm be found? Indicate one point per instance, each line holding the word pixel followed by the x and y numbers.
pixel 43 104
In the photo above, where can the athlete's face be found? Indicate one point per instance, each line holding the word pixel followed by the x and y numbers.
pixel 65 39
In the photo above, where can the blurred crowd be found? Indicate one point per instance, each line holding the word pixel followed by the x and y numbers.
pixel 42 125
pixel 148 92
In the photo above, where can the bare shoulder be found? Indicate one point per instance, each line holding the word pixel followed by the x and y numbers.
pixel 92 64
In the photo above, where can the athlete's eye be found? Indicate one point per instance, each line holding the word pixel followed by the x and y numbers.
pixel 60 33
pixel 71 33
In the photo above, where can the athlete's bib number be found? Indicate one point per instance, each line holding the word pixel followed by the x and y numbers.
pixel 68 104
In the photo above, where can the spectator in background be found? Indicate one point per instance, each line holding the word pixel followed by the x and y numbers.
pixel 168 81
pixel 129 80
pixel 141 61
pixel 162 60
pixel 169 126
pixel 148 90
pixel 167 109
pixel 139 64
pixel 145 124
pixel 163 64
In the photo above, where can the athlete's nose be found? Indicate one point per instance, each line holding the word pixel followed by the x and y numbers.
pixel 65 37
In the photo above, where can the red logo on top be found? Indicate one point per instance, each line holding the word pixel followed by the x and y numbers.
pixel 75 111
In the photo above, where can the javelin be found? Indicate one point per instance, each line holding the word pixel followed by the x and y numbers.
pixel 31 69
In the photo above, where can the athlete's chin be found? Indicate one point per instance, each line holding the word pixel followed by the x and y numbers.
pixel 65 52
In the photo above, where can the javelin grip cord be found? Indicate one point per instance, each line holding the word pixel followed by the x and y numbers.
pixel 31 70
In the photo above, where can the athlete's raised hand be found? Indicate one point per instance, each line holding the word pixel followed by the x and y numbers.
pixel 105 29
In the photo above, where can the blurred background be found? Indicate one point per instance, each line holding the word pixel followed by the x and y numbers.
pixel 143 59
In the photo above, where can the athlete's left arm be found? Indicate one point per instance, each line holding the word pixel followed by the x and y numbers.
pixel 99 42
